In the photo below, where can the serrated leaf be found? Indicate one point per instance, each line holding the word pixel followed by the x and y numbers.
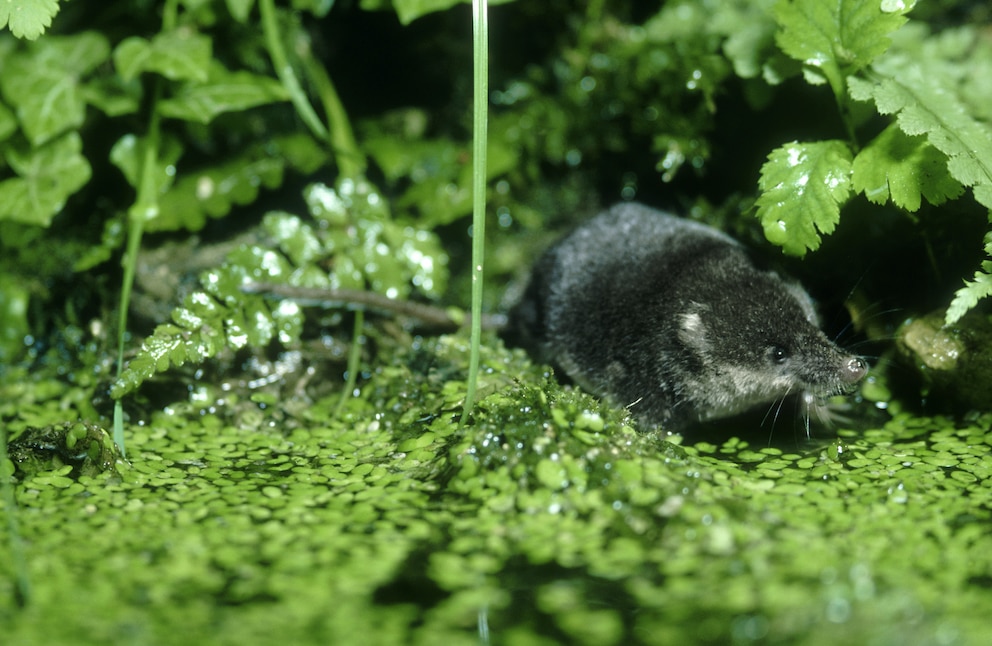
pixel 803 187
pixel 28 18
pixel 904 168
pixel 43 84
pixel 298 240
pixel 973 291
pixel 925 106
pixel 224 91
pixel 47 176
pixel 837 37
pixel 207 323
pixel 213 192
pixel 179 55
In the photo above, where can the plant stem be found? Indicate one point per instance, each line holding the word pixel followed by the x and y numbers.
pixel 354 361
pixel 273 42
pixel 145 208
pixel 350 160
pixel 480 129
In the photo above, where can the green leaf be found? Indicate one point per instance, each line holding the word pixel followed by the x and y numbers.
pixel 904 168
pixel 219 316
pixel 973 291
pixel 240 9
pixel 439 173
pixel 749 42
pixel 43 84
pixel 212 192
pixel 318 8
pixel 47 176
pixel 113 96
pixel 110 241
pixel 370 249
pixel 224 91
pixel 179 55
pixel 926 106
pixel 128 154
pixel 836 38
pixel 409 10
pixel 8 122
pixel 28 18
pixel 14 326
pixel 803 187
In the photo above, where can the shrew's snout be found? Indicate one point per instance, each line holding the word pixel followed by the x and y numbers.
pixel 853 370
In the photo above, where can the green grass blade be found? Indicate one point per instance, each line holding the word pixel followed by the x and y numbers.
pixel 480 34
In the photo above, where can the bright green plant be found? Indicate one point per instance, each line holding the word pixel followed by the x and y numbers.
pixel 114 129
pixel 932 150
pixel 480 129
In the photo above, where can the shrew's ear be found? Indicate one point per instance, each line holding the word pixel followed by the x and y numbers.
pixel 692 331
pixel 805 301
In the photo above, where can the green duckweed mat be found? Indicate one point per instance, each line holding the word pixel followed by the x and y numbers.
pixel 544 520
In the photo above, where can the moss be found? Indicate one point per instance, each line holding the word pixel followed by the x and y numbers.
pixel 547 518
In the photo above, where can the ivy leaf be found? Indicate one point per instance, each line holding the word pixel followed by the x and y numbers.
pixel 803 188
pixel 47 176
pixel 925 106
pixel 973 291
pixel 28 18
pixel 904 168
pixel 224 91
pixel 836 38
pixel 43 84
pixel 179 55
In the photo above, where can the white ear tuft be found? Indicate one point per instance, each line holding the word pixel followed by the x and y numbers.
pixel 692 331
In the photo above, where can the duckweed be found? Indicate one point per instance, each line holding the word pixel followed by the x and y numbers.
pixel 547 519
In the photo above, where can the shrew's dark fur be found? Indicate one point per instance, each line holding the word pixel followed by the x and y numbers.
pixel 671 319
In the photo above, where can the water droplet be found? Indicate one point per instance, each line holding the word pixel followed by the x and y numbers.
pixel 897 6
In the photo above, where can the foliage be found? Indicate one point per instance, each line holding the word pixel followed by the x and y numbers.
pixel 276 509
pixel 934 148
pixel 28 18
pixel 248 517
pixel 199 121
pixel 352 231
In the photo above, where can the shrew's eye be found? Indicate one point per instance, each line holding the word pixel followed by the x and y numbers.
pixel 778 354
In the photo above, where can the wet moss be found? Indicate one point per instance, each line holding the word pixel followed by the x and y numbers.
pixel 547 518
